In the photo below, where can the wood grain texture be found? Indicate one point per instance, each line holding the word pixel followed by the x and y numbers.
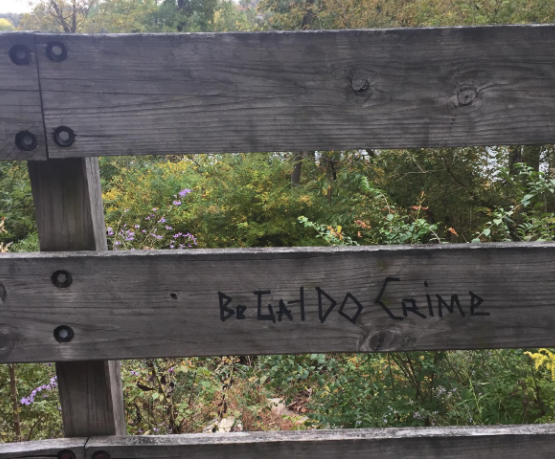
pixel 68 205
pixel 293 91
pixel 506 442
pixel 44 449
pixel 169 304
pixel 20 104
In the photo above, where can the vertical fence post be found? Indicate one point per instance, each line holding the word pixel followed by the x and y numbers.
pixel 68 206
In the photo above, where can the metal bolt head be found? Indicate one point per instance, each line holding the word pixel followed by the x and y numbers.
pixel 64 136
pixel 56 51
pixel 66 454
pixel 20 55
pixel 26 141
pixel 62 279
pixel 63 334
pixel 101 455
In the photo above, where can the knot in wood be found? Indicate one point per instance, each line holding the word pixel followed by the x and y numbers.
pixel 2 293
pixel 384 339
pixel 466 95
pixel 360 85
pixel 6 340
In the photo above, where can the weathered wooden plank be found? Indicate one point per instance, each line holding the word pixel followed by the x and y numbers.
pixel 216 302
pixel 292 91
pixel 68 205
pixel 20 104
pixel 44 449
pixel 506 442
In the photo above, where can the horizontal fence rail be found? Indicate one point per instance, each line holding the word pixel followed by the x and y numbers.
pixel 507 442
pixel 114 305
pixel 278 91
pixel 74 448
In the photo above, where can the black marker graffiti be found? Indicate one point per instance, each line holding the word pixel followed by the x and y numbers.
pixel 227 312
pixel 351 308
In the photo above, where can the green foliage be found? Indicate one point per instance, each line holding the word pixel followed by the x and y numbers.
pixel 531 213
pixel 260 212
pixel 414 389
pixel 176 396
pixel 333 236
pixel 358 14
pixel 16 201
pixel 136 16
pixel 6 25
pixel 37 403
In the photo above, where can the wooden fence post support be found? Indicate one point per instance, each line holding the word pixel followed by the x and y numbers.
pixel 68 206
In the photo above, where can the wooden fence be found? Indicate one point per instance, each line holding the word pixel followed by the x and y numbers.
pixel 67 99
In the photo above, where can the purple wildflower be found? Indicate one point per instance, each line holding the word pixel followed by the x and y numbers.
pixel 177 203
pixel 137 226
pixel 110 231
pixel 168 227
pixel 29 400
pixel 184 192
pixel 162 220
pixel 143 231
pixel 171 370
pixel 154 209
pixel 117 243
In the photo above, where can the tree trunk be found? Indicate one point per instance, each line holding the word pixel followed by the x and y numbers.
pixel 528 154
pixel 298 157
pixel 297 166
pixel 15 405
pixel 309 14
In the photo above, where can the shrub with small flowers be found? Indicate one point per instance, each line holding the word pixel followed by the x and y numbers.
pixel 36 399
pixel 153 231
